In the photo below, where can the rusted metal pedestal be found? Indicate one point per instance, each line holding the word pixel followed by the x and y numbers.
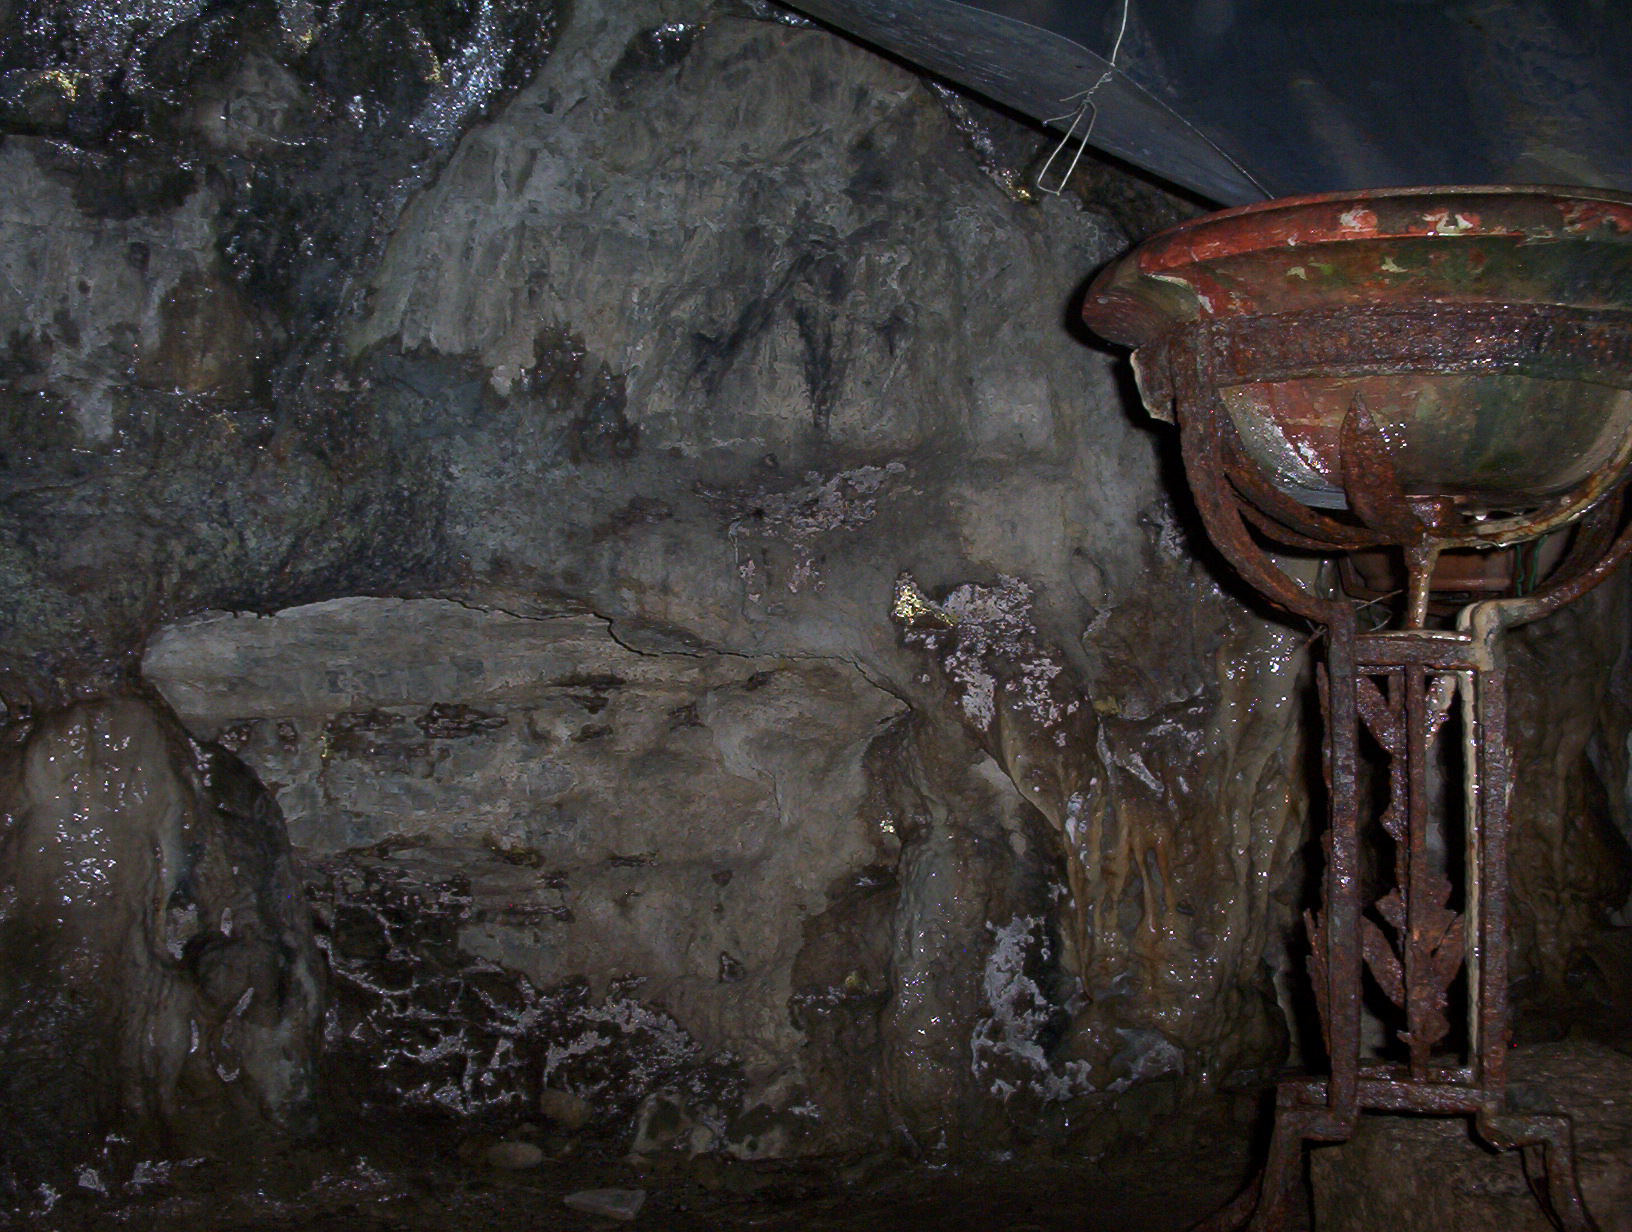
pixel 1403 688
pixel 1413 371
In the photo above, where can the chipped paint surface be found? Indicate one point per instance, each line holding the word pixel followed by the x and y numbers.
pixel 1444 222
pixel 1225 263
pixel 1357 221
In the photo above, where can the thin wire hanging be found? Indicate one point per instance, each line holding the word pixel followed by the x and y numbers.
pixel 1085 108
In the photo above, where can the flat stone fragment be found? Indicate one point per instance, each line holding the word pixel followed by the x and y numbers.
pixel 514 1156
pixel 1429 1173
pixel 564 1108
pixel 613 1203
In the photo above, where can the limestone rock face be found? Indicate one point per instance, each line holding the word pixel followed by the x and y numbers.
pixel 160 980
pixel 1569 813
pixel 808 371
pixel 670 818
pixel 189 194
pixel 713 331
pixel 728 652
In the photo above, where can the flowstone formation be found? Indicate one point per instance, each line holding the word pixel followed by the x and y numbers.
pixel 1120 777
pixel 504 431
pixel 161 992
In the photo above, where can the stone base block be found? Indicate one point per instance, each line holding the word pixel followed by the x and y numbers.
pixel 1402 1173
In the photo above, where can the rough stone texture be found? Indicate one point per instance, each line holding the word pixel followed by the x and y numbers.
pixel 1143 919
pixel 189 191
pixel 1569 720
pixel 710 327
pixel 1410 1173
pixel 160 982
pixel 612 815
pixel 776 354
pixel 601 410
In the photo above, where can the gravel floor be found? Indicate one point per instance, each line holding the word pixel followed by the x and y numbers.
pixel 405 1178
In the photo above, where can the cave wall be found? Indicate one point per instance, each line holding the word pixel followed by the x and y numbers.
pixel 627 483
pixel 161 992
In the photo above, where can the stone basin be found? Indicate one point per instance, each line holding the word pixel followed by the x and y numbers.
pixel 1486 332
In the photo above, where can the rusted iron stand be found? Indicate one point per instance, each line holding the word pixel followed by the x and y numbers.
pixel 1401 687
pixel 1301 421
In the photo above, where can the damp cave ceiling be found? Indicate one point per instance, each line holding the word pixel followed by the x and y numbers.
pixel 1239 100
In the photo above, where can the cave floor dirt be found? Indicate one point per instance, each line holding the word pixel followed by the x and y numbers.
pixel 415 1179
pixel 407 1173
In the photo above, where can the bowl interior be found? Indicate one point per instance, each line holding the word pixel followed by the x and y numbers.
pixel 1494 443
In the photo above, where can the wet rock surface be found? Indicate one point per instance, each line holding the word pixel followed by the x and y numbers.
pixel 732 669
pixel 1571 871
pixel 161 993
pixel 545 809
